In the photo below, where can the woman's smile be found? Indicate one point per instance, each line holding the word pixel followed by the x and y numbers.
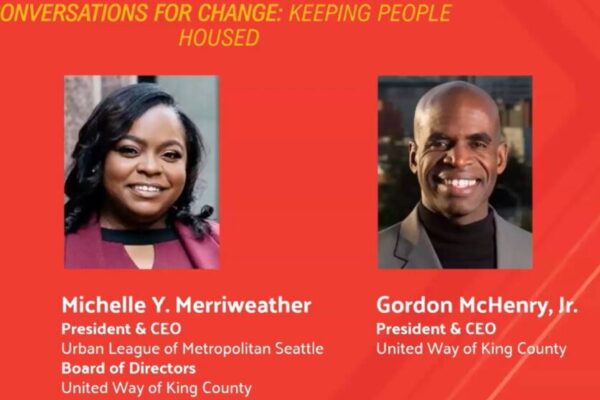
pixel 146 191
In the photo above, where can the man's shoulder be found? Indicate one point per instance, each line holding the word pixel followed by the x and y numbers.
pixel 387 240
pixel 391 232
pixel 515 231
pixel 397 242
pixel 395 236
pixel 514 245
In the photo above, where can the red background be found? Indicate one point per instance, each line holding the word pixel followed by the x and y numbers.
pixel 298 118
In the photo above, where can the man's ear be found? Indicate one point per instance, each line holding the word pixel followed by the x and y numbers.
pixel 502 157
pixel 412 156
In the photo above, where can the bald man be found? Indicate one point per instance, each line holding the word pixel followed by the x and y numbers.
pixel 457 152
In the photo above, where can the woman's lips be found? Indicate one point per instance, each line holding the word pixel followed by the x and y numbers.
pixel 146 191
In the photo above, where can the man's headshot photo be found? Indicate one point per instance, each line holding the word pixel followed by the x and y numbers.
pixel 462 142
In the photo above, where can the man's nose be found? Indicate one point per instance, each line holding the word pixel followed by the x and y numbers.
pixel 149 165
pixel 459 156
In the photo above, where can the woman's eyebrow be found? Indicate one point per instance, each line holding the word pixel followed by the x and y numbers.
pixel 172 142
pixel 140 141
pixel 134 139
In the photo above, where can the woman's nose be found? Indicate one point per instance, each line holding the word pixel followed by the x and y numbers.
pixel 149 165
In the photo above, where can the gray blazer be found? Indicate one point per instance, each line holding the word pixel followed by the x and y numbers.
pixel 406 245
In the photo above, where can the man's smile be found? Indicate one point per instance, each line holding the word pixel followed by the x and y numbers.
pixel 459 185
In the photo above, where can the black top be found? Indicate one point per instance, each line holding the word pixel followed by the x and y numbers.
pixel 138 237
pixel 461 246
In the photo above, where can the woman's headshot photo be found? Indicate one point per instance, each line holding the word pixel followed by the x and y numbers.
pixel 135 174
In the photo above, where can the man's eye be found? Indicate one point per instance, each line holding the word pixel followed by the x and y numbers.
pixel 479 145
pixel 439 145
pixel 172 155
pixel 127 151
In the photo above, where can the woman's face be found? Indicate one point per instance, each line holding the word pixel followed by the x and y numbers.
pixel 144 173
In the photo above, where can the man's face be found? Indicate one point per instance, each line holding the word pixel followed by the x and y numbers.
pixel 457 155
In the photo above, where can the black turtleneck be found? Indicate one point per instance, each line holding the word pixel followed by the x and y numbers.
pixel 461 246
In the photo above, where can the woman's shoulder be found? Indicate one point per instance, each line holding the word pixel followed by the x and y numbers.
pixel 83 247
pixel 203 251
pixel 211 231
pixel 214 230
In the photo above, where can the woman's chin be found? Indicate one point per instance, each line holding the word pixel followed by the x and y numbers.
pixel 143 219
pixel 150 222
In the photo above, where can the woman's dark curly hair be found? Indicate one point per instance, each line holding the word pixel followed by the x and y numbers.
pixel 110 121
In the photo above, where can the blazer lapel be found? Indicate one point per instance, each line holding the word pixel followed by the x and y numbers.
pixel 414 246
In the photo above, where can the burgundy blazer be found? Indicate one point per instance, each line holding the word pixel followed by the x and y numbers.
pixel 83 249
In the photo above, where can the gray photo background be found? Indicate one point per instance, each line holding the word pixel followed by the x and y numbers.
pixel 197 96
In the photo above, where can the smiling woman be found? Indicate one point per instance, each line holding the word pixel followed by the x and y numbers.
pixel 130 187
